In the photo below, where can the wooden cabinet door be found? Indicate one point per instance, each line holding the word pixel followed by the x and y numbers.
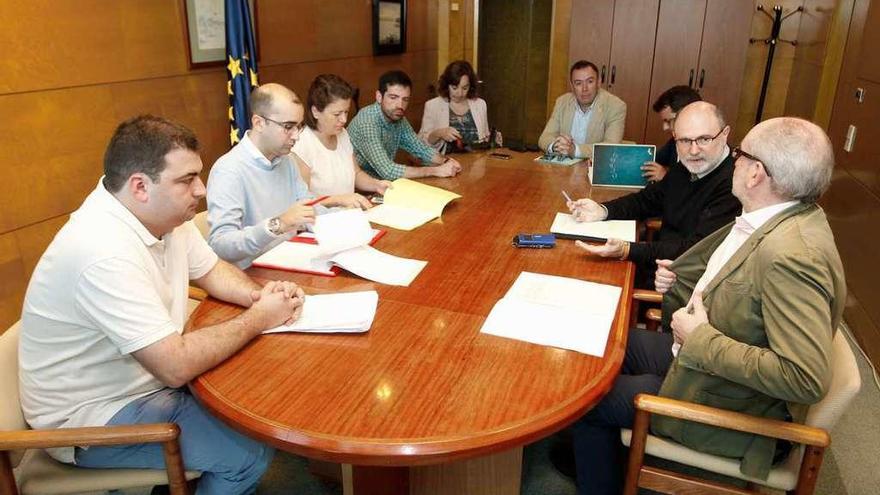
pixel 723 53
pixel 632 53
pixel 676 56
pixel 590 34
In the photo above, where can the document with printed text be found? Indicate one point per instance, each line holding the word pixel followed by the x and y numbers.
pixel 556 311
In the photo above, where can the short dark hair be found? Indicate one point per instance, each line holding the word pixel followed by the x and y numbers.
pixel 452 77
pixel 139 145
pixel 676 98
pixel 394 78
pixel 582 64
pixel 325 89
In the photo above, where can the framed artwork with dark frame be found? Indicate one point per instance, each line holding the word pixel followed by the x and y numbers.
pixel 389 26
pixel 205 31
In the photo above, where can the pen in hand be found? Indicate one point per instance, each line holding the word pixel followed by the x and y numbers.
pixel 567 197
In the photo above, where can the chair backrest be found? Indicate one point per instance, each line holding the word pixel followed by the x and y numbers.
pixel 845 384
pixel 201 221
pixel 11 418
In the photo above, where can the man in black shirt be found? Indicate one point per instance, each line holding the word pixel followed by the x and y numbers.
pixel 668 105
pixel 693 200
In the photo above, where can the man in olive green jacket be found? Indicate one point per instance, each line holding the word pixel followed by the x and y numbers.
pixel 753 309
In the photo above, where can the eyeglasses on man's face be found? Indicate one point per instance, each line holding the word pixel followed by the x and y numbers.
pixel 287 126
pixel 701 141
pixel 738 152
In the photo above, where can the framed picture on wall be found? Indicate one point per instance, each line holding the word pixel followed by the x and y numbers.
pixel 389 26
pixel 206 31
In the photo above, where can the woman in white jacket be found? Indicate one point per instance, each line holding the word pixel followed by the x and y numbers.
pixel 457 114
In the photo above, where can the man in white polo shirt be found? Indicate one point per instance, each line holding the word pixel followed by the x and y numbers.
pixel 101 340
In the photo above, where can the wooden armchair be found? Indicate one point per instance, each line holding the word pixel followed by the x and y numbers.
pixel 33 471
pixel 796 475
pixel 652 225
pixel 652 315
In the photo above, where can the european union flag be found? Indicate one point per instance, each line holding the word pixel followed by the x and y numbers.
pixel 241 70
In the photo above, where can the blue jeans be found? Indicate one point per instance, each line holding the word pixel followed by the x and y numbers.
pixel 230 462
pixel 598 451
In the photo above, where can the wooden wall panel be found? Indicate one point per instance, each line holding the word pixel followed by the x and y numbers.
pixel 61 43
pixel 809 58
pixel 853 201
pixel 854 214
pixel 14 281
pixel 756 59
pixel 74 69
pixel 560 34
pixel 869 62
pixel 835 47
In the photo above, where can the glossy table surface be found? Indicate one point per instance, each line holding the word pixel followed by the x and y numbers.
pixel 424 386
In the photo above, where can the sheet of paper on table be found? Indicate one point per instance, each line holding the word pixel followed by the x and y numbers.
pixel 556 311
pixel 344 312
pixel 409 204
pixel 566 227
pixel 372 264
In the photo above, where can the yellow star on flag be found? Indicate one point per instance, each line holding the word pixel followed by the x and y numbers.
pixel 234 67
pixel 233 135
pixel 231 115
pixel 253 78
pixel 229 88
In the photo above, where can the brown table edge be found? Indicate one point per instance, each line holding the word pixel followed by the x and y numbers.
pixel 420 453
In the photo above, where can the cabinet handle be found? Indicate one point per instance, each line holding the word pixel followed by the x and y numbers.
pixel 613 73
pixel 702 77
pixel 691 79
pixel 602 76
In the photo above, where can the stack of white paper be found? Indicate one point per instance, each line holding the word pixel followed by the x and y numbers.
pixel 342 230
pixel 346 312
pixel 409 204
pixel 556 311
pixel 565 226
pixel 342 239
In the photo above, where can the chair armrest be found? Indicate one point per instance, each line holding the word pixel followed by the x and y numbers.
pixel 197 294
pixel 647 295
pixel 96 435
pixel 792 432
pixel 654 314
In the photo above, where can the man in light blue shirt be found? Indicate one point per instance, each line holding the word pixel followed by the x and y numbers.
pixel 256 197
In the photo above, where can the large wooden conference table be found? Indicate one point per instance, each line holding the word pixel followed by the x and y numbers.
pixel 423 402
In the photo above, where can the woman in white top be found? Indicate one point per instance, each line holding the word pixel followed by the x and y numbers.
pixel 457 114
pixel 323 151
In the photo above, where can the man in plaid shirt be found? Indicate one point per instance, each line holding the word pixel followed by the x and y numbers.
pixel 380 129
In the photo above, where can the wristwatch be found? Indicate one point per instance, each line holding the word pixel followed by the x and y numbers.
pixel 274 226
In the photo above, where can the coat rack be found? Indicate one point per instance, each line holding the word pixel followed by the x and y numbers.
pixel 777 18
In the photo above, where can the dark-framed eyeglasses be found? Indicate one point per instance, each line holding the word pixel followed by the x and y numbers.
pixel 287 126
pixel 701 141
pixel 738 152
